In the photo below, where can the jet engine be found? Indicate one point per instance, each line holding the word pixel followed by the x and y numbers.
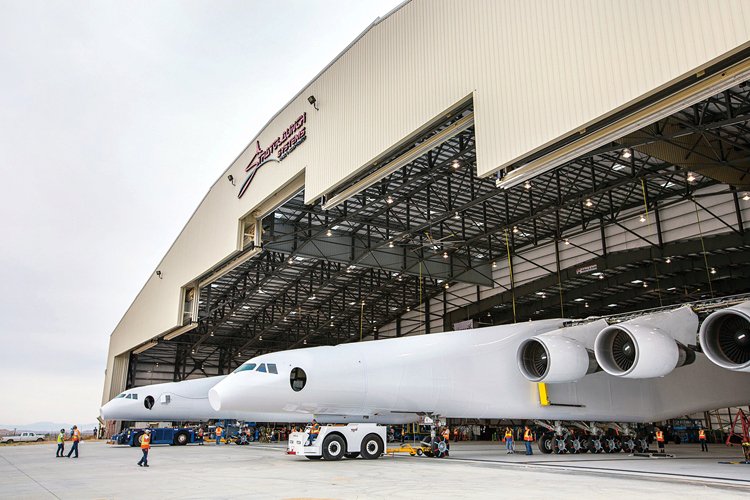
pixel 562 355
pixel 725 337
pixel 648 346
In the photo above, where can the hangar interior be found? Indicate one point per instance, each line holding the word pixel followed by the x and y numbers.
pixel 420 244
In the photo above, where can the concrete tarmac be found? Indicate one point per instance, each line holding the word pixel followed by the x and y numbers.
pixel 475 470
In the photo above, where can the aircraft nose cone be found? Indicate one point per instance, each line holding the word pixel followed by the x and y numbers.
pixel 214 399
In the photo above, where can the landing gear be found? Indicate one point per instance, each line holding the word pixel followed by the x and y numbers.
pixel 546 441
pixel 579 444
pixel 563 444
pixel 595 445
pixel 611 444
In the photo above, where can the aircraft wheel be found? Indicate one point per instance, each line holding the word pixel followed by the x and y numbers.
pixel 578 444
pixel 641 445
pixel 334 447
pixel 611 444
pixel 372 447
pixel 595 445
pixel 352 455
pixel 562 444
pixel 628 445
pixel 545 442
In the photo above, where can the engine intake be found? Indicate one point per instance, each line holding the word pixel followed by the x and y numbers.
pixel 725 337
pixel 647 347
pixel 561 355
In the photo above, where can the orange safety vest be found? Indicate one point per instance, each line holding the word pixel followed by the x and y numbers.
pixel 446 434
pixel 659 436
pixel 508 435
pixel 701 435
pixel 145 442
pixel 76 435
pixel 218 432
pixel 527 435
pixel 315 429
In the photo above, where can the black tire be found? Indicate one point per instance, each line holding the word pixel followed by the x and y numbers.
pixel 10 441
pixel 419 452
pixel 611 444
pixel 596 445
pixel 579 444
pixel 334 447
pixel 40 440
pixel 137 440
pixel 181 439
pixel 562 444
pixel 352 455
pixel 545 443
pixel 372 447
pixel 313 457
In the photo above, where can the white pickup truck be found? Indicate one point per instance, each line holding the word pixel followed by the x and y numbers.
pixel 23 437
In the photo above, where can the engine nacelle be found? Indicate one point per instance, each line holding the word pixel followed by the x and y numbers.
pixel 562 355
pixel 649 346
pixel 725 337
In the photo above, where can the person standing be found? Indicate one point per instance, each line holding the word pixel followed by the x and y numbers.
pixel 660 440
pixel 702 439
pixel 145 446
pixel 528 437
pixel 60 444
pixel 219 432
pixel 200 435
pixel 508 438
pixel 76 437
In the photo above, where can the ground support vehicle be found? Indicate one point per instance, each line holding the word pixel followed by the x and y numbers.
pixel 24 437
pixel 338 441
pixel 166 435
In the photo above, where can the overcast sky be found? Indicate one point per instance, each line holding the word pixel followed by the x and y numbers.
pixel 115 119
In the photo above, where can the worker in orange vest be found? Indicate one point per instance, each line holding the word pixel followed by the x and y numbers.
pixel 446 434
pixel 528 437
pixel 145 446
pixel 76 437
pixel 702 439
pixel 660 440
pixel 508 438
pixel 314 431
pixel 218 434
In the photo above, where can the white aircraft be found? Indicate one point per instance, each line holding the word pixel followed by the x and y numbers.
pixel 188 401
pixel 641 370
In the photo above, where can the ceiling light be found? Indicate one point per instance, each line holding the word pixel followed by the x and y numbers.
pixel 713 270
pixel 408 308
pixel 527 185
pixel 626 153
pixel 445 255
pixel 456 216
pixel 212 334
pixel 291 260
pixel 390 244
pixel 304 342
pixel 579 299
pixel 672 288
pixel 589 203
pixel 494 264
pixel 447 286
pixel 192 352
pixel 586 305
pixel 567 242
pixel 612 305
pixel 643 218
pixel 637 282
pixel 669 260
pixel 331 323
pixel 515 229
pixel 690 177
pixel 389 200
pixel 456 164
pixel 645 285
pixel 601 276
pixel 746 196
pixel 246 307
pixel 329 233
pixel 352 303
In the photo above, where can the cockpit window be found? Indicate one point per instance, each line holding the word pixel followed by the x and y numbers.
pixel 247 367
pixel 134 396
pixel 262 368
pixel 272 368
pixel 121 395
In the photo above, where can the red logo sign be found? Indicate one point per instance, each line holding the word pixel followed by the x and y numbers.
pixel 293 136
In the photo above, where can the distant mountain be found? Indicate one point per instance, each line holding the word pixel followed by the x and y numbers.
pixel 48 427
